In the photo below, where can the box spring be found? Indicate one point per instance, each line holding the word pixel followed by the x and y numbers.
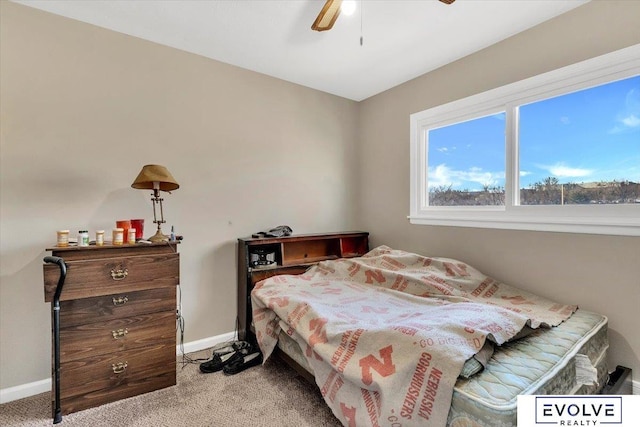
pixel 541 363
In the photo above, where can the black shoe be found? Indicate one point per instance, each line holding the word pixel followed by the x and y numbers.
pixel 220 361
pixel 242 362
pixel 230 347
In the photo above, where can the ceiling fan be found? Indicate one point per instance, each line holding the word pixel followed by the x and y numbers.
pixel 330 11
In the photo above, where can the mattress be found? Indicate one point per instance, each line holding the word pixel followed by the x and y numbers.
pixel 548 361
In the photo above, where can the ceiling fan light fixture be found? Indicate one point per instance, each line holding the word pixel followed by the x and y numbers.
pixel 327 16
pixel 348 7
pixel 332 8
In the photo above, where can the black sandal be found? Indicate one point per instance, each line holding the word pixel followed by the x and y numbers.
pixel 219 361
pixel 242 362
pixel 230 347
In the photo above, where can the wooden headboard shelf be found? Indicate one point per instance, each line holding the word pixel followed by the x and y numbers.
pixel 291 255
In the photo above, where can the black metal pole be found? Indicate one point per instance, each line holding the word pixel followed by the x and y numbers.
pixel 57 413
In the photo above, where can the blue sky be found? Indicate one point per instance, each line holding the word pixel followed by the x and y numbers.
pixel 590 135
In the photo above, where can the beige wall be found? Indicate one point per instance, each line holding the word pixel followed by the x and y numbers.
pixel 599 273
pixel 83 109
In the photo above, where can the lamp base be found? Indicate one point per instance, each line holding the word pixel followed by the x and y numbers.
pixel 158 237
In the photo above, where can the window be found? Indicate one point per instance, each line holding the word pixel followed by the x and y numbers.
pixel 582 147
pixel 557 152
pixel 466 163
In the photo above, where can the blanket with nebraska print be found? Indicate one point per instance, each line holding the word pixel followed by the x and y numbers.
pixel 387 334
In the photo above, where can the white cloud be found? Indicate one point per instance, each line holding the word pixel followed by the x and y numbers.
pixel 616 129
pixel 442 175
pixel 561 170
pixel 525 173
pixel 565 120
pixel 446 149
pixel 631 121
pixel 632 99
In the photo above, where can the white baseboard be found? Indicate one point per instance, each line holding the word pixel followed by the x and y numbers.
pixel 205 343
pixel 25 390
pixel 30 389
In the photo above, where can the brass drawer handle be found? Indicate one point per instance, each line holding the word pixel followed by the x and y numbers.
pixel 119 367
pixel 119 274
pixel 119 301
pixel 120 333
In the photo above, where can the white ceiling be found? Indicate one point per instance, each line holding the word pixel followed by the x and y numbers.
pixel 402 38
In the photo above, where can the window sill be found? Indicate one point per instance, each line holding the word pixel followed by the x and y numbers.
pixel 497 220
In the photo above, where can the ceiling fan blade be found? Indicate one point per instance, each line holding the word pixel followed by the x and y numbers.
pixel 447 1
pixel 327 15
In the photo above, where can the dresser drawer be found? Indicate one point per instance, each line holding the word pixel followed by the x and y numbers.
pixel 106 276
pixel 116 335
pixel 105 378
pixel 109 307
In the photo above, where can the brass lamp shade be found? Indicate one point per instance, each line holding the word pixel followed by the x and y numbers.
pixel 156 178
pixel 155 173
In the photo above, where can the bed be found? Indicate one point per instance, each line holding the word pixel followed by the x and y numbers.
pixel 395 338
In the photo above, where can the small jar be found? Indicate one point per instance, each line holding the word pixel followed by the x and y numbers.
pixel 125 224
pixel 132 236
pixel 83 238
pixel 100 238
pixel 118 236
pixel 63 238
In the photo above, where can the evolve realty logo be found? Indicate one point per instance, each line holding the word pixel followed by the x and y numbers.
pixel 578 410
pixel 591 410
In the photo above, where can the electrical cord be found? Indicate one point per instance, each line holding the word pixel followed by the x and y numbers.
pixel 180 325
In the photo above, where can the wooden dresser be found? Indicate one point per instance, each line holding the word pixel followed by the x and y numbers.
pixel 117 321
pixel 289 255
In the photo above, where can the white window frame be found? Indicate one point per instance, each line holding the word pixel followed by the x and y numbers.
pixel 595 219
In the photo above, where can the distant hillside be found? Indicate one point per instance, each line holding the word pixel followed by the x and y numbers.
pixel 550 192
pixel 547 192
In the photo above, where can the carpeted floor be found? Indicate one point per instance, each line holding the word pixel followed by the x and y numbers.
pixel 269 395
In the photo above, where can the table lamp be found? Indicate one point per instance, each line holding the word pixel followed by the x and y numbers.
pixel 156 178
